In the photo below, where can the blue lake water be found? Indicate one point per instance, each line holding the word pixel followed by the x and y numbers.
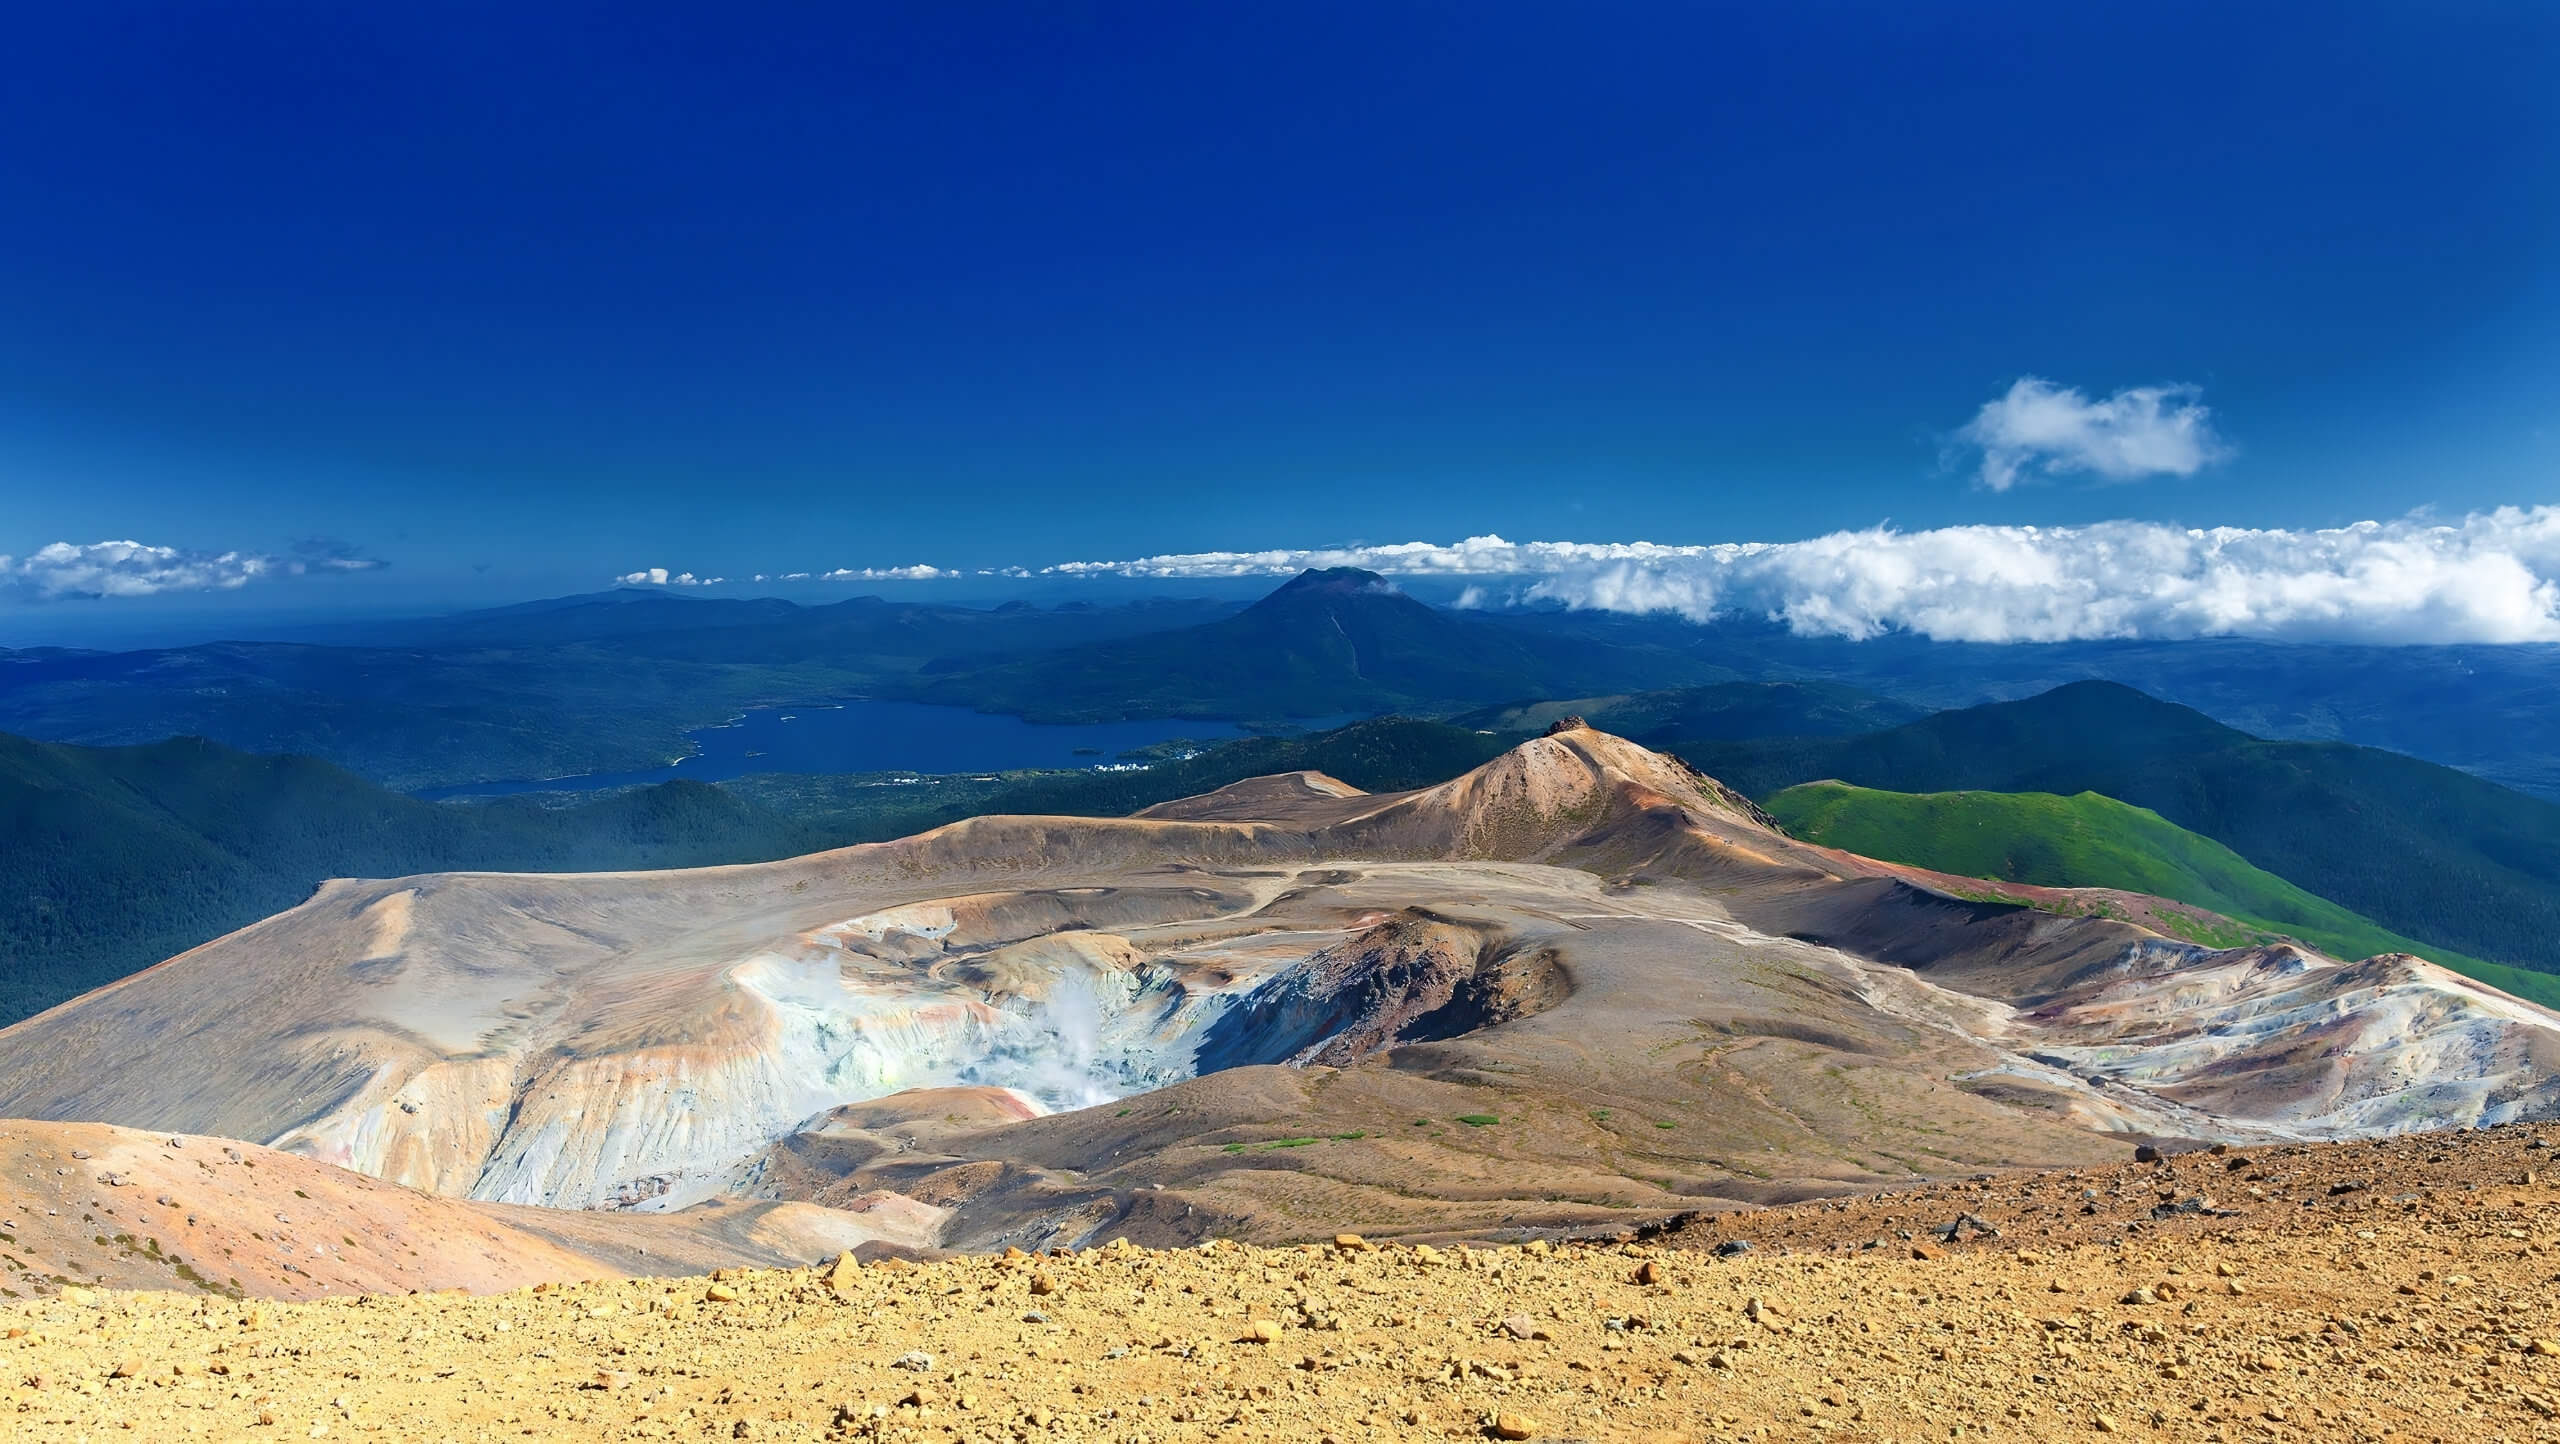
pixel 882 737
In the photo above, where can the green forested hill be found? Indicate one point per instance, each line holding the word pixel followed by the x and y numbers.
pixel 2425 851
pixel 112 858
pixel 2094 841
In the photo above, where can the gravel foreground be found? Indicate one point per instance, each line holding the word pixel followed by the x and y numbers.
pixel 2403 1290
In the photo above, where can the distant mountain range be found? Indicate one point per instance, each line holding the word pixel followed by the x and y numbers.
pixel 1328 642
pixel 612 681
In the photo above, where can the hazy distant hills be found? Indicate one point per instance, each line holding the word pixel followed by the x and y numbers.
pixel 1717 711
pixel 1327 642
pixel 612 681
pixel 2424 850
pixel 2493 710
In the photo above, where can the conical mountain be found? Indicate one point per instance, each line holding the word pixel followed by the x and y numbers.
pixel 1326 642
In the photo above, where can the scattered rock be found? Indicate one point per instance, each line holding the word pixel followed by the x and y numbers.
pixel 2146 1153
pixel 1964 1223
pixel 915 1361
pixel 1517 1426
pixel 1733 1248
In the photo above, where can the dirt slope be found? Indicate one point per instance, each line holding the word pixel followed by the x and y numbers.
pixel 87 1204
pixel 2417 1306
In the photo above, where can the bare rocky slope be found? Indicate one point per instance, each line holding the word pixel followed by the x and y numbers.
pixel 2399 1290
pixel 1579 987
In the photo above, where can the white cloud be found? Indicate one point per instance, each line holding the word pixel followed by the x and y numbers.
pixel 917 573
pixel 1475 556
pixel 661 577
pixel 67 570
pixel 2489 577
pixel 2039 428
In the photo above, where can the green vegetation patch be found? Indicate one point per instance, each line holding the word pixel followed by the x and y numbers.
pixel 2093 841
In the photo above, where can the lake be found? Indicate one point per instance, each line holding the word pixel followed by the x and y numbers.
pixel 881 737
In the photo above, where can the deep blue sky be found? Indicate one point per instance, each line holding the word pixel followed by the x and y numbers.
pixel 522 297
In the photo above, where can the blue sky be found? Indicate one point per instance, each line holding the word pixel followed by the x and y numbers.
pixel 521 298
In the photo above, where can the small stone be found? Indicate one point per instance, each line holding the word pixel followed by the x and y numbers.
pixel 2543 1348
pixel 2107 1425
pixel 720 1294
pixel 80 1298
pixel 2225 1271
pixel 1649 1272
pixel 125 1370
pixel 610 1379
pixel 2139 1296
pixel 1035 1317
pixel 1733 1248
pixel 914 1361
pixel 1513 1426
pixel 1043 1284
pixel 2147 1154
pixel 1260 1331
pixel 1520 1326
pixel 1926 1251
pixel 1350 1243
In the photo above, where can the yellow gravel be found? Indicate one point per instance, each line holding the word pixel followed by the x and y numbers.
pixel 2415 1323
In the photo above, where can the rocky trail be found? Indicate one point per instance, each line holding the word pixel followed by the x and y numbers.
pixel 2398 1290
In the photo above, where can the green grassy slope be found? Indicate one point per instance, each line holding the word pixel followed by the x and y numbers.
pixel 2425 851
pixel 2090 840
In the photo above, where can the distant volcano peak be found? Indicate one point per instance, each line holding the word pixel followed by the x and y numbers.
pixel 1334 581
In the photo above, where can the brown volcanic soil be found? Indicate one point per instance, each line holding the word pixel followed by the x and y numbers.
pixel 2421 1305
pixel 87 1204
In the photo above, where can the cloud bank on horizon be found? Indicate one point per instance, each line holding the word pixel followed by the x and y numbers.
pixel 67 571
pixel 2489 577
